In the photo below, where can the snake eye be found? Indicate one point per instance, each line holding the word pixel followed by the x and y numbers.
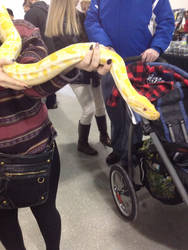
pixel 145 109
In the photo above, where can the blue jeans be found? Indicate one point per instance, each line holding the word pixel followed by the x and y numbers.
pixel 120 121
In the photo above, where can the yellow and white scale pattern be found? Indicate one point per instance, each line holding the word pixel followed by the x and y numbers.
pixel 11 41
pixel 57 62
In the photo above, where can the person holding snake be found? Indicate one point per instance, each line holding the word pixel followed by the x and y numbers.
pixel 27 134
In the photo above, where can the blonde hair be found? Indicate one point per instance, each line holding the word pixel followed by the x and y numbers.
pixel 62 18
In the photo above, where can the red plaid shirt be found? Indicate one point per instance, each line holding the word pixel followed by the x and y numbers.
pixel 150 81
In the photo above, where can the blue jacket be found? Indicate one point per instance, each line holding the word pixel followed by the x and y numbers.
pixel 130 26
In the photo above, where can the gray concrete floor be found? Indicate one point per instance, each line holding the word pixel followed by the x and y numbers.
pixel 90 220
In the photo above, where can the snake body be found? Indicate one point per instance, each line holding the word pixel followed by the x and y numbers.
pixel 57 62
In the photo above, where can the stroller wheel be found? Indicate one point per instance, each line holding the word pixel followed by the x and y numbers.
pixel 123 192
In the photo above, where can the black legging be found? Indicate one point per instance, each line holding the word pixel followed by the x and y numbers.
pixel 47 217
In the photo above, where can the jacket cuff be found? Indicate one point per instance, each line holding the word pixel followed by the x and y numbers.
pixel 159 50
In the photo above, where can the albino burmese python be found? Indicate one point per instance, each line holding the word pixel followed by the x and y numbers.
pixel 57 62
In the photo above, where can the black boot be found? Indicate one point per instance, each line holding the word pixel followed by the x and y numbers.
pixel 83 145
pixel 102 126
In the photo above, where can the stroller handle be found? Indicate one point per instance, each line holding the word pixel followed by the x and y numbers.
pixel 132 59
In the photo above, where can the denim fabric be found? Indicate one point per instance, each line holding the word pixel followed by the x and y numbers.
pixel 120 120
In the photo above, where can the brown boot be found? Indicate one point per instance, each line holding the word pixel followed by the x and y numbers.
pixel 102 127
pixel 83 145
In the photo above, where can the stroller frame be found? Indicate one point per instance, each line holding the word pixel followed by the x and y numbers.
pixel 128 177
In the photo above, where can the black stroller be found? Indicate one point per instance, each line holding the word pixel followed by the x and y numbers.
pixel 162 158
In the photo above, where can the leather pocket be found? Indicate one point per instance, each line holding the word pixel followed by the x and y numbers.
pixel 24 181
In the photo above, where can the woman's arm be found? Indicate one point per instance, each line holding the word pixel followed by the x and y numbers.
pixel 8 82
pixel 33 50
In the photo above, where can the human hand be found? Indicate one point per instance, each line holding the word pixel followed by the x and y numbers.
pixel 8 82
pixel 84 5
pixel 110 48
pixel 150 55
pixel 91 61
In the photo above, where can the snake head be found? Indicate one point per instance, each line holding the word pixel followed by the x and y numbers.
pixel 144 108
